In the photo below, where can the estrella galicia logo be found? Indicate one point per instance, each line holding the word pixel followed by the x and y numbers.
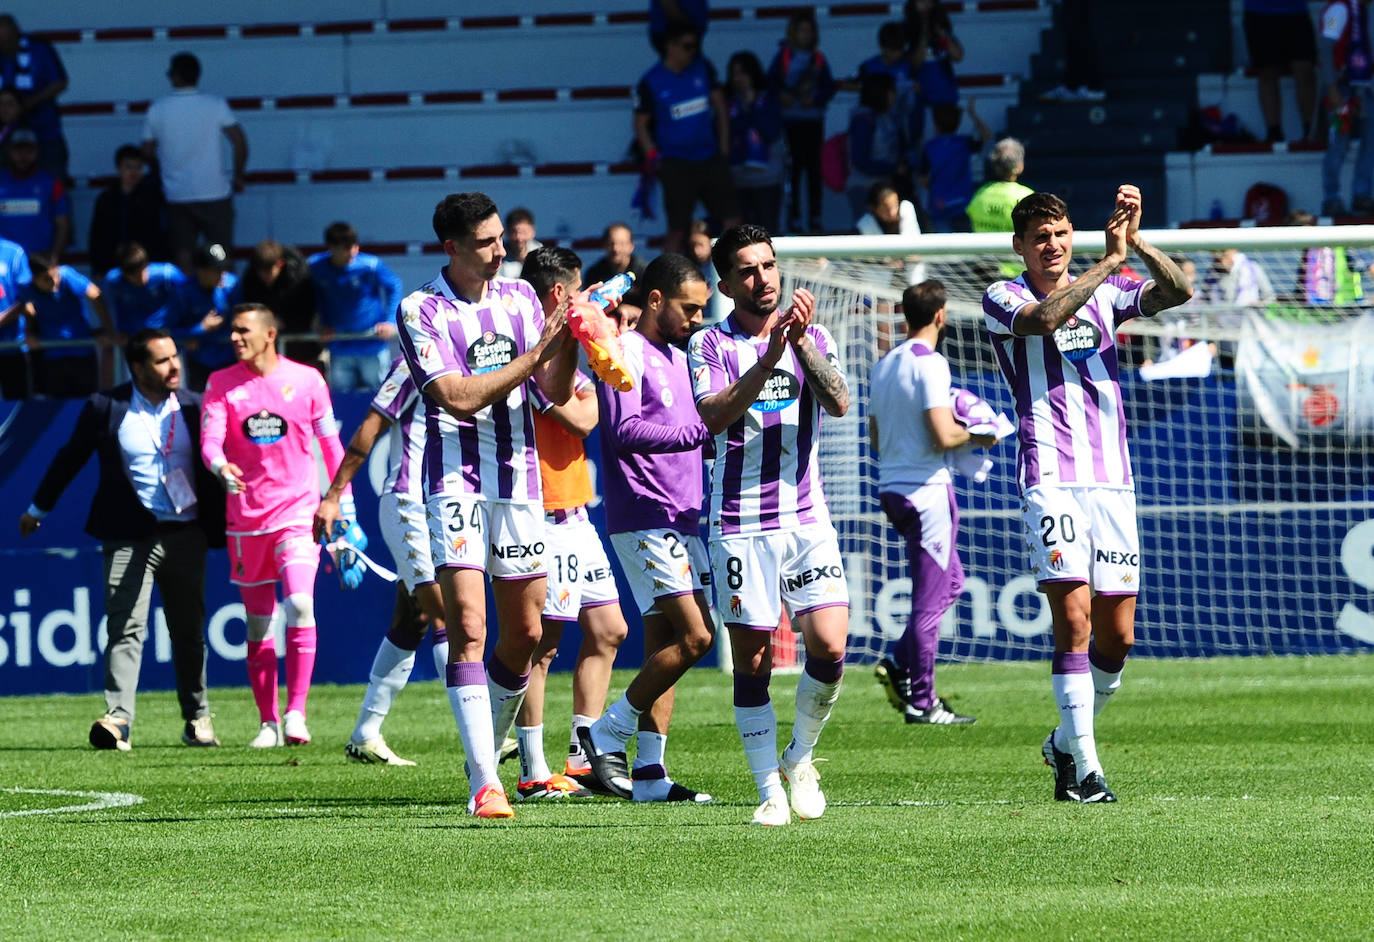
pixel 491 352
pixel 779 392
pixel 1077 338
pixel 264 428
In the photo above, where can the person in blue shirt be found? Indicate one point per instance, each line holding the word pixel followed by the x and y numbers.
pixel 59 304
pixel 206 300
pixel 35 210
pixel 142 293
pixel 877 142
pixel 800 77
pixel 946 168
pixel 14 362
pixel 755 141
pixel 32 68
pixel 355 293
pixel 892 59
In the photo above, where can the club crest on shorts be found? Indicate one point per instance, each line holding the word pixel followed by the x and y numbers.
pixel 736 604
pixel 1056 559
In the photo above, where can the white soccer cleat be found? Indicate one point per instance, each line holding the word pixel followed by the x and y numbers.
pixel 269 735
pixel 373 751
pixel 294 728
pixel 773 812
pixel 804 784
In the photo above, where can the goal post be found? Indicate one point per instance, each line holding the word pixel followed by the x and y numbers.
pixel 1249 429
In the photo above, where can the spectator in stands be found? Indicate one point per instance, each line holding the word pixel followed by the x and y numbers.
pixel 32 68
pixel 1329 276
pixel 355 293
pixel 1082 78
pixel 1238 280
pixel 11 119
pixel 800 77
pixel 696 13
pixel 520 241
pixel 182 131
pixel 892 59
pixel 35 210
pixel 278 278
pixel 991 206
pixel 1279 35
pixel 946 171
pixel 131 209
pixel 14 363
pixel 59 304
pixel 877 144
pixel 1350 104
pixel 619 242
pixel 755 141
pixel 682 126
pixel 934 52
pixel 889 214
pixel 143 293
pixel 205 306
pixel 699 251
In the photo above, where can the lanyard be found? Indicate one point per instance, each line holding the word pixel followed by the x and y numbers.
pixel 151 423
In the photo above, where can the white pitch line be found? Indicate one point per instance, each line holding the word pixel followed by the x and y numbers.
pixel 102 800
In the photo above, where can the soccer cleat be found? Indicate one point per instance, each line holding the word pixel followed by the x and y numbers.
pixel 509 750
pixel 491 802
pixel 896 683
pixel 649 790
pixel 773 812
pixel 555 786
pixel 804 783
pixel 938 714
pixel 582 775
pixel 1093 790
pixel 294 728
pixel 610 770
pixel 373 751
pixel 1065 770
pixel 199 732
pixel 269 735
pixel 111 732
pixel 600 337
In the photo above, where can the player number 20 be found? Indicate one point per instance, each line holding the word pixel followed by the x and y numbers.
pixel 1065 529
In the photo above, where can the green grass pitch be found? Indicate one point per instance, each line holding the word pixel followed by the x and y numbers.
pixel 1245 813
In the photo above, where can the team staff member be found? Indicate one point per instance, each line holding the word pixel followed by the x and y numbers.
pixel 156 509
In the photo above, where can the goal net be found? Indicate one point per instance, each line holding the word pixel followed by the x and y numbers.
pixel 1250 420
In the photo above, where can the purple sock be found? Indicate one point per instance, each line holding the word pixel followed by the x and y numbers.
pixel 465 674
pixel 1069 662
pixel 827 672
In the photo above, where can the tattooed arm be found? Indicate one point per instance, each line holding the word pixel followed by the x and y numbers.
pixel 1170 287
pixel 826 382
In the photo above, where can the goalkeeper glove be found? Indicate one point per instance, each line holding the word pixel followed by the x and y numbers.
pixel 347 537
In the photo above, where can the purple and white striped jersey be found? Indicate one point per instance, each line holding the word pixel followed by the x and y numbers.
pixel 905 384
pixel 399 400
pixel 766 472
pixel 1071 421
pixel 491 454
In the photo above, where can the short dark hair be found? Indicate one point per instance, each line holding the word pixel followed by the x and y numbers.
pixel 677 29
pixel 874 89
pixel 136 351
pixel 892 35
pixel 266 254
pixel 458 214
pixel 946 117
pixel 746 60
pixel 667 273
pixel 921 302
pixel 606 233
pixel 186 67
pixel 262 311
pixel 1037 206
pixel 43 260
pixel 879 188
pixel 731 241
pixel 130 256
pixel 128 152
pixel 518 215
pixel 550 265
pixel 340 234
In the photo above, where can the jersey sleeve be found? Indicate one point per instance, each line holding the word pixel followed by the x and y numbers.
pixel 213 423
pixel 396 391
pixel 426 342
pixel 326 428
pixel 1001 303
pixel 931 381
pixel 1126 298
pixel 709 375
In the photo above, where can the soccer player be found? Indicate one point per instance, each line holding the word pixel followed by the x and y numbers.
pixel 581 586
pixel 261 415
pixel 1054 337
pixel 916 491
pixel 761 379
pixel 397 409
pixel 473 342
pixel 651 454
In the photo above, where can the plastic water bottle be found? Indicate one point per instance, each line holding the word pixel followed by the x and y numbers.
pixel 609 294
pixel 1217 211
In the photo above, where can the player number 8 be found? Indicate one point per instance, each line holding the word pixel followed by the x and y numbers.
pixel 734 574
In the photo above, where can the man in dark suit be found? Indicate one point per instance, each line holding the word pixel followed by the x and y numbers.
pixel 156 510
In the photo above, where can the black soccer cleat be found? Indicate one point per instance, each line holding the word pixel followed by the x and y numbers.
pixel 896 683
pixel 611 770
pixel 1065 770
pixel 1094 790
pixel 937 714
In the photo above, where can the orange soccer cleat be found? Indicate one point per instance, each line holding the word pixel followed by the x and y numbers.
pixel 491 802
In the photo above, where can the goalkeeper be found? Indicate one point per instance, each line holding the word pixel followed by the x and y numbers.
pixel 1054 337
pixel 260 418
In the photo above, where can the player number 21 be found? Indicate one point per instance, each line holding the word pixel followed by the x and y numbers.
pixel 1065 529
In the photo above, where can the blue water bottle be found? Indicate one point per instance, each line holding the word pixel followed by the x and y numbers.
pixel 609 294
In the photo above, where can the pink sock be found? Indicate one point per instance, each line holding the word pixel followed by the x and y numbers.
pixel 262 677
pixel 300 665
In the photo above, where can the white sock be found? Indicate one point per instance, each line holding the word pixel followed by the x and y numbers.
pixel 390 670
pixel 649 749
pixel 815 700
pixel 616 726
pixel 505 704
pixel 575 754
pixel 533 766
pixel 1073 695
pixel 758 730
pixel 440 658
pixel 1104 686
pixel 471 705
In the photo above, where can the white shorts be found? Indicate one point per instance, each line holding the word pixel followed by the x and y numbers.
pixel 1083 534
pixel 661 563
pixel 756 573
pixel 503 538
pixel 401 518
pixel 579 572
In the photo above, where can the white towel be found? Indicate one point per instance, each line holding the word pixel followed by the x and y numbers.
pixel 980 419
